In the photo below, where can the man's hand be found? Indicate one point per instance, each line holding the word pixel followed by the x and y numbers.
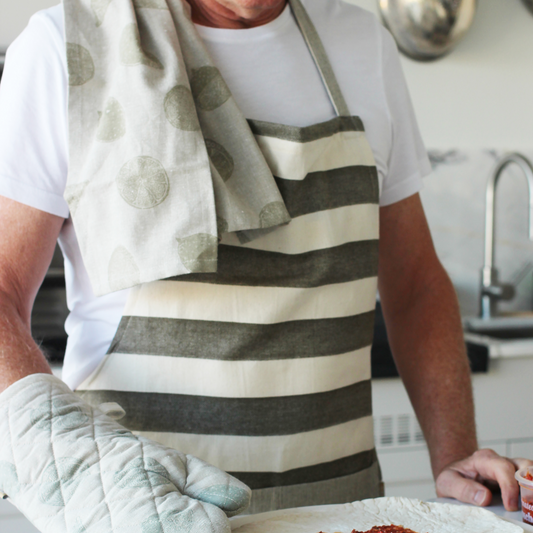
pixel 70 469
pixel 472 479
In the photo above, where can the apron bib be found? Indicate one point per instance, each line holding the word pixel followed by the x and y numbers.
pixel 263 368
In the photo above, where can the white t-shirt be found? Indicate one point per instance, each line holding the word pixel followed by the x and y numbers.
pixel 272 77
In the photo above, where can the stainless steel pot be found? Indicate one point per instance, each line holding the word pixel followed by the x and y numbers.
pixel 428 29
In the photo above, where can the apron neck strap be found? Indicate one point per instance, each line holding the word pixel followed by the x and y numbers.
pixel 320 57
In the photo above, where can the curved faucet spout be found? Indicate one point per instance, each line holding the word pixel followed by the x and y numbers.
pixel 491 290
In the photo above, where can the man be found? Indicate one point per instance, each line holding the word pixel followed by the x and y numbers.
pixel 263 58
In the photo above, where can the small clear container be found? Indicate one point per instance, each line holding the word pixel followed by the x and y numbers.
pixel 526 493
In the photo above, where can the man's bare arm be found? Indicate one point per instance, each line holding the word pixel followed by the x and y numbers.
pixel 27 242
pixel 424 328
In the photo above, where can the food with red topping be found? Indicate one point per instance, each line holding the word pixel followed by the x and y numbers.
pixel 386 529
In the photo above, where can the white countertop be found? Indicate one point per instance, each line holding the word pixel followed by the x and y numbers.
pixel 497 508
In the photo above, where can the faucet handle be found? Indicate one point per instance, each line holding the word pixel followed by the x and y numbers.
pixel 499 291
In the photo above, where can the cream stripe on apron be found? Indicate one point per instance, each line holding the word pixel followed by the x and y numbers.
pixel 223 303
pixel 315 231
pixel 312 447
pixel 263 368
pixel 285 377
pixel 294 160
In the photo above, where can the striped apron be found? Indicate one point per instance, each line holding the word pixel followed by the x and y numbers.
pixel 263 369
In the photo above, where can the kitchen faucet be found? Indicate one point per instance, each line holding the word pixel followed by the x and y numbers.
pixel 491 289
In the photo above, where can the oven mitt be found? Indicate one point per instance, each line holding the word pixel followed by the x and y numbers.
pixel 71 469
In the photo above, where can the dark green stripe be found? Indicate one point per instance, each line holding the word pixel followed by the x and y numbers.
pixel 309 474
pixel 345 489
pixel 285 415
pixel 123 325
pixel 308 133
pixel 330 189
pixel 233 341
pixel 249 267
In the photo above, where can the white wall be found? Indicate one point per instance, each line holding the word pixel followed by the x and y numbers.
pixel 14 15
pixel 480 96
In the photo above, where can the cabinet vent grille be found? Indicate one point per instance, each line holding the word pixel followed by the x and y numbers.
pixel 397 430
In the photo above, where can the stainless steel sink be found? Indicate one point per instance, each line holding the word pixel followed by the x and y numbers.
pixel 505 328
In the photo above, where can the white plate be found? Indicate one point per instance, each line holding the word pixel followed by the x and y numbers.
pixel 496 508
pixel 239 521
pixel 525 527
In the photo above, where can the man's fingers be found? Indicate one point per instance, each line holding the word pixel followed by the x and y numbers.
pixel 458 480
pixel 451 484
pixel 520 462
pixel 491 466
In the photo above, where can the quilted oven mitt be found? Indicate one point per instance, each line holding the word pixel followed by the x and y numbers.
pixel 71 469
